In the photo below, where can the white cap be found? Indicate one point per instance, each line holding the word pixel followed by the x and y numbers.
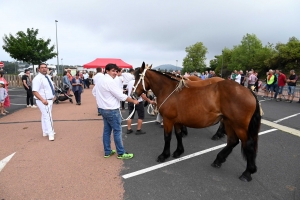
pixel 1 82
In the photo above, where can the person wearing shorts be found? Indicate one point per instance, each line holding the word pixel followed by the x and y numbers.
pixel 139 108
pixel 291 81
pixel 270 85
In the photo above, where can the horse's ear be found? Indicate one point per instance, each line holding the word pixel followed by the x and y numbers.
pixel 143 66
pixel 150 66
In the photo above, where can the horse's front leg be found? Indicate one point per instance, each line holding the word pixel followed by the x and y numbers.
pixel 167 136
pixel 179 135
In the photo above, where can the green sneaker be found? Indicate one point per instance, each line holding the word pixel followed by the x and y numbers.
pixel 125 156
pixel 111 153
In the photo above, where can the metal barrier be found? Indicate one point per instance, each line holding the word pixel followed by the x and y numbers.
pixel 16 81
pixel 284 91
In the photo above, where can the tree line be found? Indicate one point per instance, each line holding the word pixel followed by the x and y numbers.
pixel 249 54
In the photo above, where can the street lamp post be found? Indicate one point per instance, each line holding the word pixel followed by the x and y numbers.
pixel 57 47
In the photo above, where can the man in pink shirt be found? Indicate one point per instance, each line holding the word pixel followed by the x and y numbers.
pixel 281 83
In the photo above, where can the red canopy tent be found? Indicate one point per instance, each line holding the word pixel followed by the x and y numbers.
pixel 102 62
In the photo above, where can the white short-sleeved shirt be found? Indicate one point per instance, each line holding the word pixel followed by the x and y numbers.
pixel 108 93
pixel 130 87
pixel 238 79
pixel 127 77
pixel 119 80
pixel 41 85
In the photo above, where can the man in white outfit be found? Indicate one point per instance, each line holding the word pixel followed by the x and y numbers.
pixel 43 91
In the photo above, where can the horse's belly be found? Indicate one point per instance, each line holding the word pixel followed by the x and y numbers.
pixel 200 121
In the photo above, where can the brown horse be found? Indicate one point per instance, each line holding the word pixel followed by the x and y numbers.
pixel 203 107
pixel 195 81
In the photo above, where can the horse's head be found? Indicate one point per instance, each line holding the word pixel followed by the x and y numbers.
pixel 141 84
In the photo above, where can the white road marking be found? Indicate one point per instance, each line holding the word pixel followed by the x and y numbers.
pixel 136 123
pixel 281 127
pixel 142 171
pixel 279 120
pixel 5 161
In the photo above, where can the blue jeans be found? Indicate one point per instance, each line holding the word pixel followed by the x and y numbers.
pixel 112 122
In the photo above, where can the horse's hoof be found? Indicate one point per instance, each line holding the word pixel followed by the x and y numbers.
pixel 245 178
pixel 177 154
pixel 162 158
pixel 215 165
pixel 215 137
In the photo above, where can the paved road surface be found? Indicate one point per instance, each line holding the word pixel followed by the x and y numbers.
pixel 73 167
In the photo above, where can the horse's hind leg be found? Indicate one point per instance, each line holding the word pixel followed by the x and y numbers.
pixel 221 132
pixel 184 131
pixel 249 151
pixel 232 141
pixel 167 137
pixel 179 135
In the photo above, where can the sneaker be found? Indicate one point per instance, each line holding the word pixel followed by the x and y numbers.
pixel 287 100
pixel 291 101
pixel 279 99
pixel 125 156
pixel 45 134
pixel 28 106
pixel 112 152
pixel 139 132
pixel 129 131
pixel 51 138
pixel 33 106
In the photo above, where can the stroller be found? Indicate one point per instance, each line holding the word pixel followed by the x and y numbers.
pixel 61 94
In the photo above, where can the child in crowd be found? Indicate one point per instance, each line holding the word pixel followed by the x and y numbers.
pixel 3 95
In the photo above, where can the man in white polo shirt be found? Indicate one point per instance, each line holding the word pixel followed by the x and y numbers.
pixel 43 91
pixel 108 96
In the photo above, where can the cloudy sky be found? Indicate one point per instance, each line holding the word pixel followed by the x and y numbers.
pixel 154 31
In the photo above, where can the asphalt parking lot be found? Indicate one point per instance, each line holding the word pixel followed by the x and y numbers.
pixel 278 175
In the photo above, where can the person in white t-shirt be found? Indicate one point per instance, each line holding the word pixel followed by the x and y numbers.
pixel 238 78
pixel 96 78
pixel 127 76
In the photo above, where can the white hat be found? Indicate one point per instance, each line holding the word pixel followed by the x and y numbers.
pixel 1 82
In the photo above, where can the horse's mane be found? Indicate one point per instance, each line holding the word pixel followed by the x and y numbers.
pixel 181 82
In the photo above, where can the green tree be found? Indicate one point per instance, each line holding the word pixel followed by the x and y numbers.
pixel 195 58
pixel 27 47
pixel 288 55
pixel 221 60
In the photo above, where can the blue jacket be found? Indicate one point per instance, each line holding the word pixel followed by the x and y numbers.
pixel 77 87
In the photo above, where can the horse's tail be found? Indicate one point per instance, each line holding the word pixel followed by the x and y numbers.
pixel 253 129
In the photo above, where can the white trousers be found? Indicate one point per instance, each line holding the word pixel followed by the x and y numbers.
pixel 47 122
